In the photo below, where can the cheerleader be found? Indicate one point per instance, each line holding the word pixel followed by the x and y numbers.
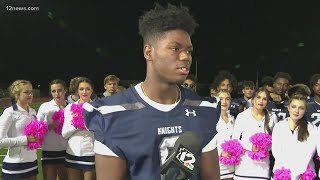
pixel 248 123
pixel 294 141
pixel 224 129
pixel 54 145
pixel 80 156
pixel 20 162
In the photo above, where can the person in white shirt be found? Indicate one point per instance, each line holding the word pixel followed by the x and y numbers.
pixel 253 120
pixel 80 161
pixel 20 162
pixel 225 130
pixel 54 145
pixel 295 140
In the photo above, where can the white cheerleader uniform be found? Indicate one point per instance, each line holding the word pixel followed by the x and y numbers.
pixel 245 127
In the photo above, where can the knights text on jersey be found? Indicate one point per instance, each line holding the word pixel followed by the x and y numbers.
pixel 143 135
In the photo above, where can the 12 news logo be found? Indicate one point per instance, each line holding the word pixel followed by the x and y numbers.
pixel 186 158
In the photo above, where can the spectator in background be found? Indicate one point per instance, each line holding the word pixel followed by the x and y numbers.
pixel 80 161
pixel 190 83
pixel 227 81
pixel 313 110
pixel 54 145
pixel 279 100
pixel 267 83
pixel 224 81
pixel 111 84
pixel 73 96
pixel 20 162
pixel 213 92
pixel 313 104
pixel 248 89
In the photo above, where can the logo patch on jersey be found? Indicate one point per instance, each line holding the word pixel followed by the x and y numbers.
pixel 186 158
pixel 193 112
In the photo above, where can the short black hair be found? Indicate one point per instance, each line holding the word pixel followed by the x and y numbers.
pixel 267 81
pixel 155 22
pixel 314 79
pixel 282 75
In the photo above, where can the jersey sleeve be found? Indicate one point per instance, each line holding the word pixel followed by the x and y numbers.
pixel 104 130
pixel 94 121
pixel 212 143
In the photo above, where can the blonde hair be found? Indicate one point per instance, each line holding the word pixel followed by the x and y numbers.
pixel 223 91
pixel 16 87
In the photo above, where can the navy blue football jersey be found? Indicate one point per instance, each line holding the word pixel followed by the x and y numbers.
pixel 216 103
pixel 280 109
pixel 313 112
pixel 143 135
pixel 234 107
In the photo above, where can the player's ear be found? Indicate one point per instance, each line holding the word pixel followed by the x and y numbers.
pixel 147 48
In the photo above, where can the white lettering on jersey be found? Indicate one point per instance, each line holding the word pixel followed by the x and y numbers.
pixel 166 146
pixel 315 116
pixel 281 115
pixel 169 130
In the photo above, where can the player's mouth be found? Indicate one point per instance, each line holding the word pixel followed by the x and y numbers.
pixel 184 70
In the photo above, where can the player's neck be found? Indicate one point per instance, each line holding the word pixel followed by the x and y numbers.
pixel 292 124
pixel 257 114
pixel 316 99
pixel 224 116
pixel 161 94
pixel 23 106
pixel 61 103
pixel 246 98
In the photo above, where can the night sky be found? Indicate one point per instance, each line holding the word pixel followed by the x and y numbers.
pixel 99 37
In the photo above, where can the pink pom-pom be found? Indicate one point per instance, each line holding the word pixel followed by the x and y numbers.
pixel 282 174
pixel 78 119
pixel 263 142
pixel 58 117
pixel 309 174
pixel 38 129
pixel 234 149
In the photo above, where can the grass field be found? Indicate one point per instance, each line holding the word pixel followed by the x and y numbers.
pixel 3 151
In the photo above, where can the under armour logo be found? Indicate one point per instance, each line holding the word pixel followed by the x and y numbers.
pixel 193 112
